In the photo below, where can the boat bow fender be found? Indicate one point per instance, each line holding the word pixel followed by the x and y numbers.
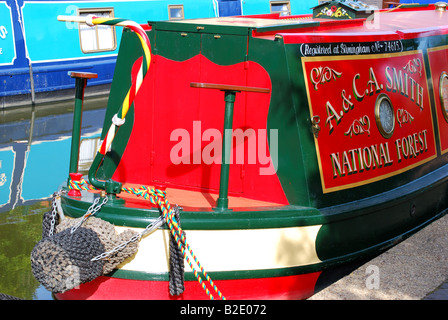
pixel 67 259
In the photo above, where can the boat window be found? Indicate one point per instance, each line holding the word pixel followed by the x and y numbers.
pixel 283 7
pixel 98 38
pixel 87 150
pixel 443 92
pixel 176 12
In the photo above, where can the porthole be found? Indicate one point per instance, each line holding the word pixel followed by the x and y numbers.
pixel 443 92
pixel 384 116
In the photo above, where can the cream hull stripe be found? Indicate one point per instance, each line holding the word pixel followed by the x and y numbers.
pixel 230 250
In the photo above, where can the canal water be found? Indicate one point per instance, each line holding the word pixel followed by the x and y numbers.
pixel 34 161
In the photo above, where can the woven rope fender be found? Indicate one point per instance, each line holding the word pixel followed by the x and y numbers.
pixel 64 260
pixel 176 284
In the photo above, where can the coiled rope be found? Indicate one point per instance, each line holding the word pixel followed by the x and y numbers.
pixel 158 197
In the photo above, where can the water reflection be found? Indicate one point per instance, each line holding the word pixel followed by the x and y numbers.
pixel 34 160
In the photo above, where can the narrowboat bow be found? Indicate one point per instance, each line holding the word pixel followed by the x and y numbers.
pixel 259 150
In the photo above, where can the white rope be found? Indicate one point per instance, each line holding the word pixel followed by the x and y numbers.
pixel 89 20
pixel 118 121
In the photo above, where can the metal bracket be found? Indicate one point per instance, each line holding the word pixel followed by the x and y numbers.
pixel 315 120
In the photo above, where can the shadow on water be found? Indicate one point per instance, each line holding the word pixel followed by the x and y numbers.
pixel 34 160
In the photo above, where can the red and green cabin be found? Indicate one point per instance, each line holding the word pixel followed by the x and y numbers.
pixel 341 156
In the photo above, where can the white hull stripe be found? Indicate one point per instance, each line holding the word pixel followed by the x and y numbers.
pixel 230 250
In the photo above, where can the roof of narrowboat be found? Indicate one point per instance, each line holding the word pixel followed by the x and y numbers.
pixel 405 21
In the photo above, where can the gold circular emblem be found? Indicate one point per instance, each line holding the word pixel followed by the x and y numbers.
pixel 384 116
pixel 443 92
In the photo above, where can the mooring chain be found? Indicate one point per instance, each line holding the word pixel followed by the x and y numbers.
pixel 93 209
pixel 54 211
pixel 149 228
